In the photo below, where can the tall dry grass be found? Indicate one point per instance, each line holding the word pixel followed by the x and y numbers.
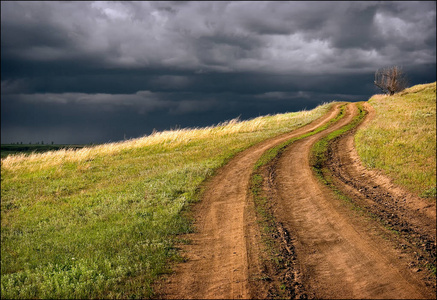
pixel 172 138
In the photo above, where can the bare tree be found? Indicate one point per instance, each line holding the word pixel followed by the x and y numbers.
pixel 390 80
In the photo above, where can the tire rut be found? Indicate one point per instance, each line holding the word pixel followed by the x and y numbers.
pixel 224 250
pixel 327 249
pixel 339 254
pixel 412 217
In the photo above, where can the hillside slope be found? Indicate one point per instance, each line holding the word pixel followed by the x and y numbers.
pixel 101 222
pixel 401 139
pixel 105 221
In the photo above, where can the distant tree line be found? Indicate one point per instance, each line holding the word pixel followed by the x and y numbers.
pixel 30 143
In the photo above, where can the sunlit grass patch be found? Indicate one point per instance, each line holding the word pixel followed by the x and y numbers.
pixel 401 140
pixel 101 222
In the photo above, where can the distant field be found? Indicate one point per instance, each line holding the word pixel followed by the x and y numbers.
pixel 7 149
pixel 102 222
pixel 401 140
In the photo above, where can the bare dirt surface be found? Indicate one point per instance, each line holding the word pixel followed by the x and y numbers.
pixel 225 246
pixel 412 217
pixel 340 254
pixel 328 249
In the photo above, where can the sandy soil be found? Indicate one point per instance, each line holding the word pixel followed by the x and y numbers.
pixel 335 252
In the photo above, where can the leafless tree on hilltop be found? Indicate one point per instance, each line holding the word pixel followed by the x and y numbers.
pixel 390 80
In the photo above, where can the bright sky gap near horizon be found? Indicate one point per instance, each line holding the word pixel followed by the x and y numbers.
pixel 94 72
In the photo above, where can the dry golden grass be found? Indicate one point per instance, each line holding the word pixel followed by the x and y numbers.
pixel 172 138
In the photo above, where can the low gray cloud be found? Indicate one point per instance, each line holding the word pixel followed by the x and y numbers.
pixel 145 65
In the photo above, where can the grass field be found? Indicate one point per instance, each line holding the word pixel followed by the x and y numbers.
pixel 7 149
pixel 102 221
pixel 401 140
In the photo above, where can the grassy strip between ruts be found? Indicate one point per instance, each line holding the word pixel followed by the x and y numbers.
pixel 270 154
pixel 266 220
pixel 319 150
pixel 101 222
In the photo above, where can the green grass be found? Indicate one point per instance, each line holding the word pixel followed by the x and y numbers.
pixel 102 222
pixel 319 153
pixel 274 152
pixel 401 140
pixel 320 148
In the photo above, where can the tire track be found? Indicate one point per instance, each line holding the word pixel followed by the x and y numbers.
pixel 412 217
pixel 225 249
pixel 339 255
pixel 330 250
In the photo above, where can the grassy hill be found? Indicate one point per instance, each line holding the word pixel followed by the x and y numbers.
pixel 102 221
pixel 401 140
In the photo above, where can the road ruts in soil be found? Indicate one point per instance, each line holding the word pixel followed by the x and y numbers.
pixel 412 217
pixel 223 251
pixel 339 254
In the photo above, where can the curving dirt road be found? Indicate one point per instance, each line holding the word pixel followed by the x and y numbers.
pixel 341 254
pixel 337 253
pixel 412 217
pixel 225 244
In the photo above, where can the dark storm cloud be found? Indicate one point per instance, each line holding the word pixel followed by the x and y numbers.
pixel 116 68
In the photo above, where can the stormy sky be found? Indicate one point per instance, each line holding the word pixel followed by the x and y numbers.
pixel 94 72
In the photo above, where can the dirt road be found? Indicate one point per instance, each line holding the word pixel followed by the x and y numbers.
pixel 218 257
pixel 341 255
pixel 412 217
pixel 338 254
